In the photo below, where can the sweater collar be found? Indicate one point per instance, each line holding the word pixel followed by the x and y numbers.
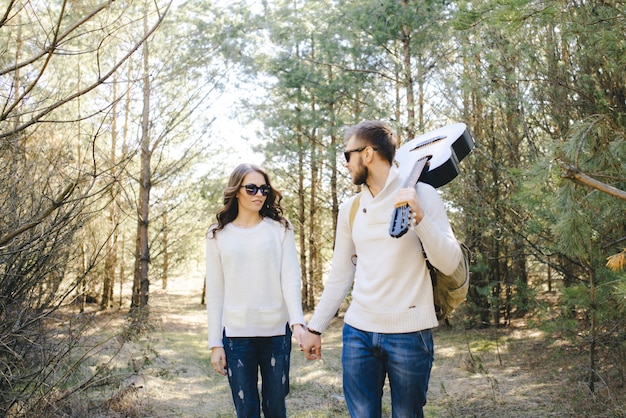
pixel 392 183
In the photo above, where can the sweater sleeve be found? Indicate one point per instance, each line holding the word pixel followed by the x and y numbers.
pixel 341 274
pixel 214 291
pixel 291 279
pixel 435 233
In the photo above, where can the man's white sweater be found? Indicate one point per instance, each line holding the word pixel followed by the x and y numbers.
pixel 253 281
pixel 392 290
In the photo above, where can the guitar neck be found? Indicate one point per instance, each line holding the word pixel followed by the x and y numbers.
pixel 416 172
pixel 400 218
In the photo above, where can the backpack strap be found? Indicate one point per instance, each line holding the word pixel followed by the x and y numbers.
pixel 354 208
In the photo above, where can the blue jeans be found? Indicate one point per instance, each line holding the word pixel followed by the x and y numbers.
pixel 245 356
pixel 369 357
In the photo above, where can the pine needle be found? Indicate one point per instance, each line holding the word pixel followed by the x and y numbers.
pixel 617 262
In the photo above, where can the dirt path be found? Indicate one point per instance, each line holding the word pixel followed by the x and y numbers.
pixel 177 379
pixel 503 376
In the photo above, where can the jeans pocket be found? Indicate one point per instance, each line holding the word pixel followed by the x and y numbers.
pixel 426 341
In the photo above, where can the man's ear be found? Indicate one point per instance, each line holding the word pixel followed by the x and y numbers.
pixel 369 154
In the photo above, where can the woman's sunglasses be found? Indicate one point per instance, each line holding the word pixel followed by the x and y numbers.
pixel 253 189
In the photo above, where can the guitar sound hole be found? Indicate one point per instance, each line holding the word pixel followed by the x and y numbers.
pixel 429 141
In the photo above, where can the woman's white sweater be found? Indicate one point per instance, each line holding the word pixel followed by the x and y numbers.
pixel 392 290
pixel 252 281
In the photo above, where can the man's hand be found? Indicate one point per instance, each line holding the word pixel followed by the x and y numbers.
pixel 218 360
pixel 408 196
pixel 311 344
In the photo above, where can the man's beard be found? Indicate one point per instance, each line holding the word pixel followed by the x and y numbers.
pixel 360 176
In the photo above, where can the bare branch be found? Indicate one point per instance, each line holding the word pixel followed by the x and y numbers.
pixel 56 203
pixel 37 118
pixel 57 38
pixel 50 54
pixel 573 173
pixel 5 16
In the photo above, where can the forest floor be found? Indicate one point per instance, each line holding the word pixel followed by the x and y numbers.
pixel 512 372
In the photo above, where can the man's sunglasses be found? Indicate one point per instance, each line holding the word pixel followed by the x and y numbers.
pixel 253 189
pixel 347 153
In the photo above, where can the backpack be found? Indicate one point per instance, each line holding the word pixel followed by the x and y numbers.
pixel 448 291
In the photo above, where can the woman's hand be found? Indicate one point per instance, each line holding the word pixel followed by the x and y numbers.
pixel 218 360
pixel 298 331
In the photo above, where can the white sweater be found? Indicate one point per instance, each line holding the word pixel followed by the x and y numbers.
pixel 252 281
pixel 392 290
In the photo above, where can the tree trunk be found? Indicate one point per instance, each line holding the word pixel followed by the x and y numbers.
pixel 306 287
pixel 166 260
pixel 408 79
pixel 110 262
pixel 141 283
pixel 313 247
pixel 332 157
pixel 127 108
pixel 593 311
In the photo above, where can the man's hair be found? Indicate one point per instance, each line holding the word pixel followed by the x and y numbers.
pixel 377 135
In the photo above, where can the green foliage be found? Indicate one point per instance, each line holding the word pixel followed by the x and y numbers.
pixel 574 297
pixel 586 216
pixel 566 328
pixel 524 297
pixel 478 264
pixel 573 229
pixel 620 293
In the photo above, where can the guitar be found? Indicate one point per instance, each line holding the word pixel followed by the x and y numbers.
pixel 431 158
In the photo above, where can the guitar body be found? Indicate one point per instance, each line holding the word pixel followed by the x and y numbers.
pixel 445 146
pixel 431 158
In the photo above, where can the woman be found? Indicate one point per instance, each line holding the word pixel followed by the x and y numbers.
pixel 253 293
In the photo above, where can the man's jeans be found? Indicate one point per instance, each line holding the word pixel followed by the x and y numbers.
pixel 369 357
pixel 245 356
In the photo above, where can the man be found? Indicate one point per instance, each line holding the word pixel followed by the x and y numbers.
pixel 387 327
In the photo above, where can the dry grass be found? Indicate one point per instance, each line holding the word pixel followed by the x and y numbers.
pixel 514 372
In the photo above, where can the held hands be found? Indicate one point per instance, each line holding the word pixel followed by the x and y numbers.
pixel 408 196
pixel 218 360
pixel 311 344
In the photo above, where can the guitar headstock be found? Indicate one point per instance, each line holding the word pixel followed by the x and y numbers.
pixel 402 219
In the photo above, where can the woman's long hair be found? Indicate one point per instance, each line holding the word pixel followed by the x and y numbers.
pixel 230 210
